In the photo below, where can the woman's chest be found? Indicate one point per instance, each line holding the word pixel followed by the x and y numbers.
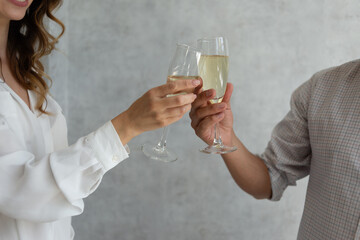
pixel 39 134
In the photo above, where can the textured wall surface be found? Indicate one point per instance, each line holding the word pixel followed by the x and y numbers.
pixel 114 51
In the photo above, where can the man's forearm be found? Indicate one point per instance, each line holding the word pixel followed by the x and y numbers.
pixel 248 171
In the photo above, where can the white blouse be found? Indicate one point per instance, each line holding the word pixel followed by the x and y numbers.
pixel 42 179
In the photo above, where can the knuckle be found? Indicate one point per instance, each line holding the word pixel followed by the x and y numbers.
pixel 152 106
pixel 171 86
pixel 190 112
pixel 189 84
pixel 183 110
pixel 193 125
pixel 150 94
pixel 179 100
pixel 197 132
pixel 162 123
pixel 157 116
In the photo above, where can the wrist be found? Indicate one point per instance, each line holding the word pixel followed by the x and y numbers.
pixel 124 128
pixel 231 139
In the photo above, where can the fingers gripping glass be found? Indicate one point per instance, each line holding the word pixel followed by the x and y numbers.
pixel 184 65
pixel 213 69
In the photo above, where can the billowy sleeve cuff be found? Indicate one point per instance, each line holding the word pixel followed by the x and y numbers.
pixel 107 146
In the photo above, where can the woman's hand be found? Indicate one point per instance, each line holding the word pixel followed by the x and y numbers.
pixel 155 110
pixel 205 115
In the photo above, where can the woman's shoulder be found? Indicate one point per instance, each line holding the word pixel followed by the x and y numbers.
pixel 52 105
pixel 56 116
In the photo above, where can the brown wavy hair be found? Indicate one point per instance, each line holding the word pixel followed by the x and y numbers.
pixel 28 41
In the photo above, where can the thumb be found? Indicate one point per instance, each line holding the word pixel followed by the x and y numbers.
pixel 199 89
pixel 228 92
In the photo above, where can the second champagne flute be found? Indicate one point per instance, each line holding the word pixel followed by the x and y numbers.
pixel 213 69
pixel 184 65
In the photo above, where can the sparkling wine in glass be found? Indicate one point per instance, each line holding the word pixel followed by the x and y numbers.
pixel 213 69
pixel 184 65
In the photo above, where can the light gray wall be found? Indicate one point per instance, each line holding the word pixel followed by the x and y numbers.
pixel 114 51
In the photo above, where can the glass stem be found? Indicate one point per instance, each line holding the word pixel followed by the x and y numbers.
pixel 217 138
pixel 162 144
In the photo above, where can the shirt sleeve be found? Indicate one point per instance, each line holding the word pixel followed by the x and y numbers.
pixel 52 187
pixel 288 153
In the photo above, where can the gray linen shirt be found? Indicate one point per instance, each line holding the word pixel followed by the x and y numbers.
pixel 320 137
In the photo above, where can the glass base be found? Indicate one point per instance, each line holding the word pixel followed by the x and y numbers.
pixel 218 149
pixel 158 153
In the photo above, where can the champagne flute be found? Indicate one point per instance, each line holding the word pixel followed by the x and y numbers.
pixel 213 69
pixel 184 65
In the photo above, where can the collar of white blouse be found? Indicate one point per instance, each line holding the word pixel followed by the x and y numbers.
pixel 32 97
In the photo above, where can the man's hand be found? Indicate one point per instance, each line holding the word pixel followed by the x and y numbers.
pixel 205 115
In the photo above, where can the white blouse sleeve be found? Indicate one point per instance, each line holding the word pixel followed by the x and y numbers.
pixel 52 187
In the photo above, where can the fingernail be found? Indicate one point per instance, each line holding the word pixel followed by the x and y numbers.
pixel 208 93
pixel 196 82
